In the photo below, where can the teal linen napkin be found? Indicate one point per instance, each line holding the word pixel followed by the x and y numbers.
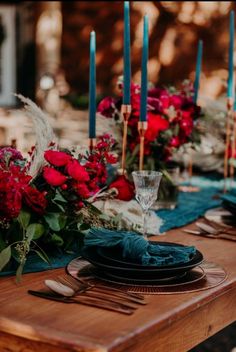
pixel 135 247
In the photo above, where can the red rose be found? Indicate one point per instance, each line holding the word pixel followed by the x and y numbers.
pixel 124 187
pixel 156 124
pixel 57 158
pixel 35 200
pixel 53 177
pixel 77 171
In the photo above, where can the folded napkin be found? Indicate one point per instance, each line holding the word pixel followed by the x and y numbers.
pixel 135 247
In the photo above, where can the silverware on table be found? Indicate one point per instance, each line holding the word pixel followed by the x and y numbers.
pixel 88 301
pixel 63 287
pixel 77 287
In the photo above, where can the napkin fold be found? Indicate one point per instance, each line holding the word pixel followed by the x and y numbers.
pixel 135 247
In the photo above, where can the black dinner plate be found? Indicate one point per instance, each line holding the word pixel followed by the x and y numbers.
pixel 194 275
pixel 91 255
pixel 113 255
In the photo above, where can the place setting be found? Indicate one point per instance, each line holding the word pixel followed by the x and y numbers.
pixel 133 263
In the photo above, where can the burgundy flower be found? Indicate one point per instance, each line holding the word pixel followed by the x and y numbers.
pixel 107 107
pixel 35 200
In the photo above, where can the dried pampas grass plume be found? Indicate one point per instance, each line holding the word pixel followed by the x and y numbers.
pixel 43 131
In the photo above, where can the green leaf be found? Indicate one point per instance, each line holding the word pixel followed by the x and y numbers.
pixel 24 218
pixel 58 240
pixel 34 231
pixel 5 256
pixel 58 197
pixel 62 221
pixel 58 205
pixel 52 220
pixel 42 255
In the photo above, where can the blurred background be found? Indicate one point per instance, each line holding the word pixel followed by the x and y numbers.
pixel 44 53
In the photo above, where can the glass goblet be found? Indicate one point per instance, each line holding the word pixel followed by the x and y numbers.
pixel 146 191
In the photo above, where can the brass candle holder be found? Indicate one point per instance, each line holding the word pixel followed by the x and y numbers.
pixel 126 112
pixel 92 144
pixel 227 140
pixel 233 145
pixel 142 128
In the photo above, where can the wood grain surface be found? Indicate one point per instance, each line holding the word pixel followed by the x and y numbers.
pixel 173 323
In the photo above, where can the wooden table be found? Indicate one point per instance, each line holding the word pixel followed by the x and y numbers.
pixel 169 323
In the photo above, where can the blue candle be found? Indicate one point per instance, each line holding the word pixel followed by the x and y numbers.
pixel 144 82
pixel 92 86
pixel 230 90
pixel 127 64
pixel 198 71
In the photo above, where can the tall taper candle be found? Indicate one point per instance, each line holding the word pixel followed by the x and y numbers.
pixel 144 82
pixel 92 86
pixel 198 71
pixel 230 90
pixel 127 64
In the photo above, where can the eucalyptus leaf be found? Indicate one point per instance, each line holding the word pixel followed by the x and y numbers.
pixel 5 256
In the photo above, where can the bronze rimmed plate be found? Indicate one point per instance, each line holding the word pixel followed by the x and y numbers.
pixel 215 275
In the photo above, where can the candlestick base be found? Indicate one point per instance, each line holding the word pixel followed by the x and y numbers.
pixel 142 128
pixel 126 112
pixel 227 140
pixel 92 143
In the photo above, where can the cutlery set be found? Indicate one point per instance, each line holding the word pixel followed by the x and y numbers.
pixel 66 289
pixel 212 229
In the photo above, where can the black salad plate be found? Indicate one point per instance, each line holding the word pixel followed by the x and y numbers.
pixel 149 272
pixel 113 255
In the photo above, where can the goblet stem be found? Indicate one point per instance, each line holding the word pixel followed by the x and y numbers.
pixel 145 213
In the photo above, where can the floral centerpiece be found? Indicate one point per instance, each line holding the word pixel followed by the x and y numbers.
pixel 46 201
pixel 172 122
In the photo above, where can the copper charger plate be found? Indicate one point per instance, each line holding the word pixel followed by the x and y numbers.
pixel 204 277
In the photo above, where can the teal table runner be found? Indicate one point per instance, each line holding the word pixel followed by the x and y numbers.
pixel 190 207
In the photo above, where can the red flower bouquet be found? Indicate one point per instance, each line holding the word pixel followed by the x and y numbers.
pixel 53 208
pixel 171 117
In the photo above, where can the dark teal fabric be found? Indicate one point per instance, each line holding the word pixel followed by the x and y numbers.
pixel 193 205
pixel 190 207
pixel 134 246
